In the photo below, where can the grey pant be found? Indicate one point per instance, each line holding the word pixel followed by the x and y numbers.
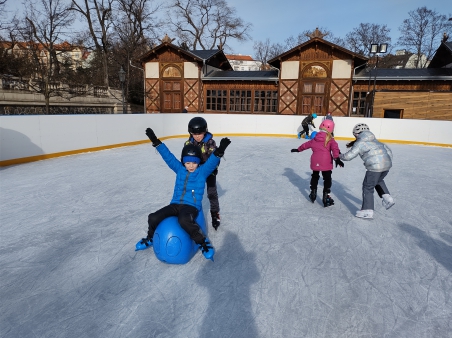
pixel 373 180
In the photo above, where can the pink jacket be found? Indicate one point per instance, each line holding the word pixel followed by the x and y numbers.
pixel 322 157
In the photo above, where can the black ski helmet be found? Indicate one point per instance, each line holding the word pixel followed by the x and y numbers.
pixel 190 153
pixel 197 125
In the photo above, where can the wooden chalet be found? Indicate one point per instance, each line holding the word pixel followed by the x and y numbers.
pixel 316 76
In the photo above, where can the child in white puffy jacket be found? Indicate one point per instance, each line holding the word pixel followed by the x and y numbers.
pixel 377 159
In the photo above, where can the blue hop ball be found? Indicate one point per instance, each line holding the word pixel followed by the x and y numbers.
pixel 172 244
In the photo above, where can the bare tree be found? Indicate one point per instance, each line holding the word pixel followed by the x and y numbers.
pixel 45 25
pixel 359 40
pixel 264 51
pixel 135 29
pixel 15 62
pixel 421 33
pixel 2 10
pixel 206 23
pixel 99 17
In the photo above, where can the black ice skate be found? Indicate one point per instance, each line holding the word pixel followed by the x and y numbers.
pixel 327 200
pixel 313 195
pixel 215 220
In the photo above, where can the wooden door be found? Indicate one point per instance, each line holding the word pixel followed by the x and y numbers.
pixel 172 95
pixel 313 98
pixel 313 90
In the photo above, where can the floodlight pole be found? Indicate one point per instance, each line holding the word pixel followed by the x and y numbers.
pixel 376 49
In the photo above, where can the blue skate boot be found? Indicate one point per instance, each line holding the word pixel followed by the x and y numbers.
pixel 207 249
pixel 143 244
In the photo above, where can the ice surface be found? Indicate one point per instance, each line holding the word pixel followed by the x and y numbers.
pixel 284 267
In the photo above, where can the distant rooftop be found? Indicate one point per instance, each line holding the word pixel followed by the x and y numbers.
pixel 239 57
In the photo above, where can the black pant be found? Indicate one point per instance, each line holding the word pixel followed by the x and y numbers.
pixel 186 216
pixel 212 193
pixel 305 130
pixel 327 180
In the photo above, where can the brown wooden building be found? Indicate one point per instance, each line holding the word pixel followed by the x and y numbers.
pixel 316 76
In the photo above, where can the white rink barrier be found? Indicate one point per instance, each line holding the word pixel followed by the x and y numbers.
pixel 28 138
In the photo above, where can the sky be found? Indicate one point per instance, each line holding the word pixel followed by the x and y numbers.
pixel 279 20
pixel 284 267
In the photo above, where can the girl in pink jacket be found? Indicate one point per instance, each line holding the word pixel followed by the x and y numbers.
pixel 324 150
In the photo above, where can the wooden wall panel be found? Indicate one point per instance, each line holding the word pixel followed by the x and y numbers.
pixel 170 56
pixel 152 95
pixel 339 97
pixel 403 85
pixel 288 91
pixel 258 85
pixel 191 95
pixel 415 105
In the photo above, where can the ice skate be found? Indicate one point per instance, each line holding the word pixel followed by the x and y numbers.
pixel 365 214
pixel 207 249
pixel 143 244
pixel 313 195
pixel 215 220
pixel 387 201
pixel 327 200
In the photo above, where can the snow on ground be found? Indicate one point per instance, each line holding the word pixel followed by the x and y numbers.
pixel 284 267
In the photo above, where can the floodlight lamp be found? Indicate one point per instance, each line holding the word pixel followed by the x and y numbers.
pixel 374 48
pixel 383 48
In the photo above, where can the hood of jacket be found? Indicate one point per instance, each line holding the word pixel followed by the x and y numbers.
pixel 206 138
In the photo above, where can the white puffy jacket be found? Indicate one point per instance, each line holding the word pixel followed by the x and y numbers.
pixel 376 155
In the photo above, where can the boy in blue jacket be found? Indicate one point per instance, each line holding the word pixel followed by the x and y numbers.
pixel 188 191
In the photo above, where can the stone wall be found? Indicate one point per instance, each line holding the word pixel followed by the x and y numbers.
pixel 54 110
pixel 19 101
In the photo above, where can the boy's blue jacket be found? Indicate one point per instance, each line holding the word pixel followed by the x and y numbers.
pixel 189 187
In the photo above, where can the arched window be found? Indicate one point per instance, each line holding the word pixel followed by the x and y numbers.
pixel 171 71
pixel 315 71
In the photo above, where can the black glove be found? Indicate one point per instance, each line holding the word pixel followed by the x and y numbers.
pixel 350 144
pixel 155 141
pixel 339 162
pixel 294 151
pixel 223 145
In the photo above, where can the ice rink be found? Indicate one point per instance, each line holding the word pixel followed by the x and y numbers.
pixel 284 267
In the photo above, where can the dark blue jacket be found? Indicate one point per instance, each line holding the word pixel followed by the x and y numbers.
pixel 189 187
pixel 207 145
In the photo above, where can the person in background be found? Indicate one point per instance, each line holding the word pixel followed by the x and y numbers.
pixel 185 109
pixel 308 120
pixel 329 116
